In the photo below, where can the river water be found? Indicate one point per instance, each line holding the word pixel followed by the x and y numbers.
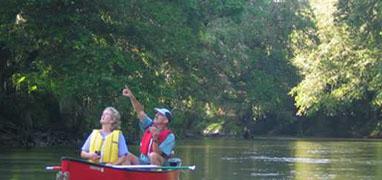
pixel 231 159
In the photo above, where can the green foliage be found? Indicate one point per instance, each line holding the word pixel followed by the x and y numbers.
pixel 235 63
pixel 364 19
pixel 84 52
pixel 342 71
pixel 247 63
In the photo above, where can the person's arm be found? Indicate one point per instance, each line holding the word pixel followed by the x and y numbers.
pixel 120 160
pixel 155 139
pixel 145 123
pixel 167 145
pixel 85 151
pixel 137 106
pixel 91 156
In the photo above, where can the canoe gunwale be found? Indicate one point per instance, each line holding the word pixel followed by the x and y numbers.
pixel 145 170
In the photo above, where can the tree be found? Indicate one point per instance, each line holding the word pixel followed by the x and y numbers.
pixel 339 77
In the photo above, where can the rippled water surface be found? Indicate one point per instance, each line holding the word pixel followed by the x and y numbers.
pixel 226 159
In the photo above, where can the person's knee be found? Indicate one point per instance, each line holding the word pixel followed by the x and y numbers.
pixel 131 159
pixel 154 155
pixel 156 158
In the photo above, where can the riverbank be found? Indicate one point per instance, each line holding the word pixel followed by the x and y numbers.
pixel 41 140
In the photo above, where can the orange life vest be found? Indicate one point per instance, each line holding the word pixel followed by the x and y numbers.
pixel 146 143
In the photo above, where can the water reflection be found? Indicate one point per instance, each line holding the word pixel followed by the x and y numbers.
pixel 226 159
pixel 311 150
pixel 287 159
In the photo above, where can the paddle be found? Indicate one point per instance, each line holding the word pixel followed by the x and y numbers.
pixel 57 168
pixel 53 168
pixel 154 167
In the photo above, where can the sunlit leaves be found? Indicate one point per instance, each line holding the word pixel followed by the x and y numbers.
pixel 247 60
pixel 339 70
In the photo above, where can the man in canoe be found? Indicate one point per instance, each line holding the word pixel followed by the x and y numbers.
pixel 157 141
pixel 106 145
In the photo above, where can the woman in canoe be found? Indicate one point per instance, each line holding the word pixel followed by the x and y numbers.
pixel 106 145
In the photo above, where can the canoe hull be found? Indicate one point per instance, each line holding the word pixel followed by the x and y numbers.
pixel 74 169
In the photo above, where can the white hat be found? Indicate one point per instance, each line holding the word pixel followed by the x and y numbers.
pixel 164 112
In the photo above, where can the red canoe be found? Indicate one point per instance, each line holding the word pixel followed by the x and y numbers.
pixel 75 169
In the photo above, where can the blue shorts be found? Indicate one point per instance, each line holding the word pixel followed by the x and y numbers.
pixel 143 160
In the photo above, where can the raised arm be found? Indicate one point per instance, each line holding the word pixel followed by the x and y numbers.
pixel 137 106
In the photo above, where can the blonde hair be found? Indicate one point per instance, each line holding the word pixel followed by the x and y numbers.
pixel 116 117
